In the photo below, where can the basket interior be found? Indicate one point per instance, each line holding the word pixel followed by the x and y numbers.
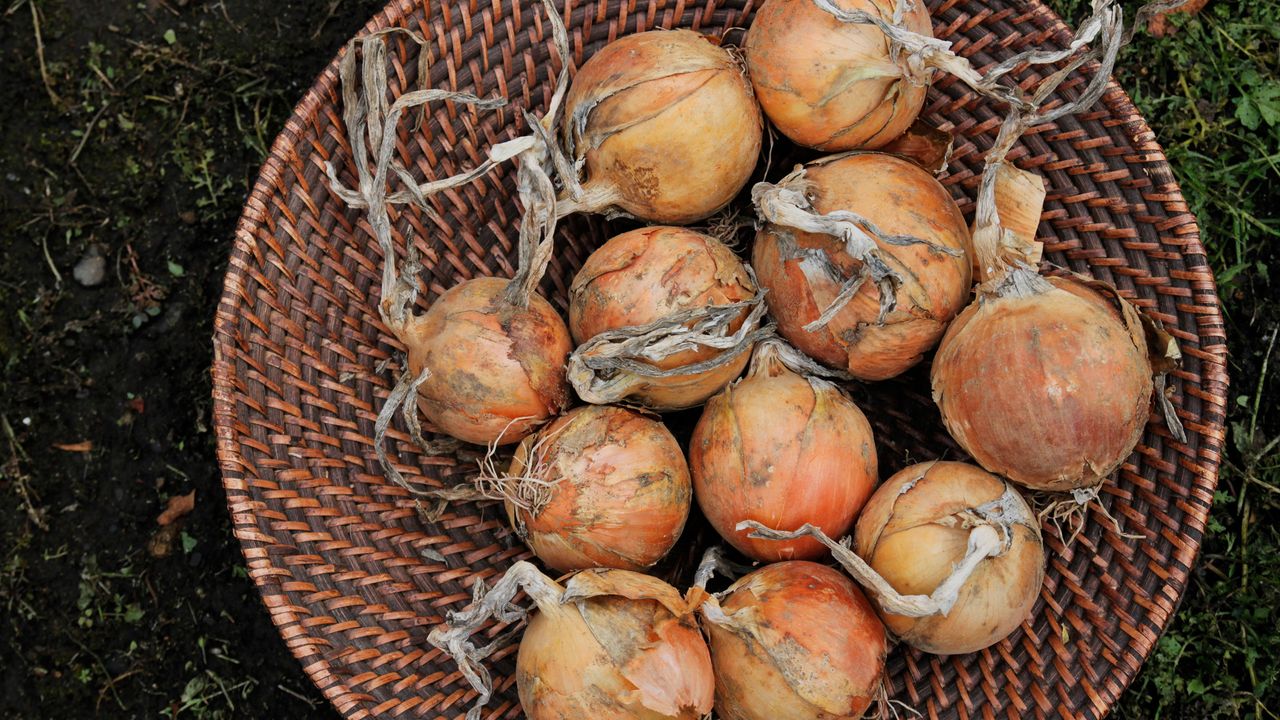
pixel 349 567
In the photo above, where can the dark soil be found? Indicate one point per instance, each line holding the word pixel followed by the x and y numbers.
pixel 164 112
pixel 139 140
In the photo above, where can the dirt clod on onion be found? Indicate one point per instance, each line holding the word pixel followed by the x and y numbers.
pixel 834 85
pixel 666 317
pixel 784 447
pixel 950 555
pixel 794 640
pixel 665 125
pixel 840 221
pixel 601 486
pixel 605 644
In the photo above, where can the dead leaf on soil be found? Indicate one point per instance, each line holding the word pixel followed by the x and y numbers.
pixel 179 506
pixel 161 544
pixel 1160 25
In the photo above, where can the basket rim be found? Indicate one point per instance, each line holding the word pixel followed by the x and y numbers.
pixel 1214 375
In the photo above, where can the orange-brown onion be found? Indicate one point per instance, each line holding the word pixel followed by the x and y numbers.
pixel 645 275
pixel 495 370
pixel 1050 387
pixel 915 530
pixel 609 644
pixel 782 449
pixel 625 648
pixel 618 490
pixel 900 198
pixel 665 124
pixel 829 84
pixel 795 640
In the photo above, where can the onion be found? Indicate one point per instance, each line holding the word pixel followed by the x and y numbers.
pixel 601 486
pixel 916 529
pixel 794 641
pixel 666 126
pixel 667 317
pixel 607 644
pixel 494 370
pixel 834 85
pixel 836 222
pixel 488 358
pixel 1045 382
pixel 782 448
pixel 950 555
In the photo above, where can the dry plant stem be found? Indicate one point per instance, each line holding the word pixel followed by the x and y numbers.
pixel 989 235
pixel 715 563
pixel 986 539
pixel 601 370
pixel 400 398
pixel 367 116
pixel 454 636
pixel 406 387
pixel 920 55
pixel 796 361
pixel 44 70
pixel 788 204
pixel 533 179
pixel 1165 357
pixel 372 128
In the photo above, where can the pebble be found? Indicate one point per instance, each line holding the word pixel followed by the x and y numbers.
pixel 92 268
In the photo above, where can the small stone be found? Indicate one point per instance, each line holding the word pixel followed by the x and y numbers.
pixel 92 268
pixel 188 217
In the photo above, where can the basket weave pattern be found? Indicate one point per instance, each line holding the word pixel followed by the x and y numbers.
pixel 352 574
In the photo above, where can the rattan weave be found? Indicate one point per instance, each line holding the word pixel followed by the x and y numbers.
pixel 352 575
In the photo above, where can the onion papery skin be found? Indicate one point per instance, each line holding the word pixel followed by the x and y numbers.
pixel 828 84
pixel 781 449
pixel 910 534
pixel 621 490
pixel 1049 389
pixel 666 125
pixel 644 275
pixel 805 645
pixel 902 199
pixel 622 654
pixel 496 370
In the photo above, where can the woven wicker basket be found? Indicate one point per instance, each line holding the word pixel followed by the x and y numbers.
pixel 352 575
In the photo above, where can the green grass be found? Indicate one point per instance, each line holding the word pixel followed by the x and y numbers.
pixel 1211 92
